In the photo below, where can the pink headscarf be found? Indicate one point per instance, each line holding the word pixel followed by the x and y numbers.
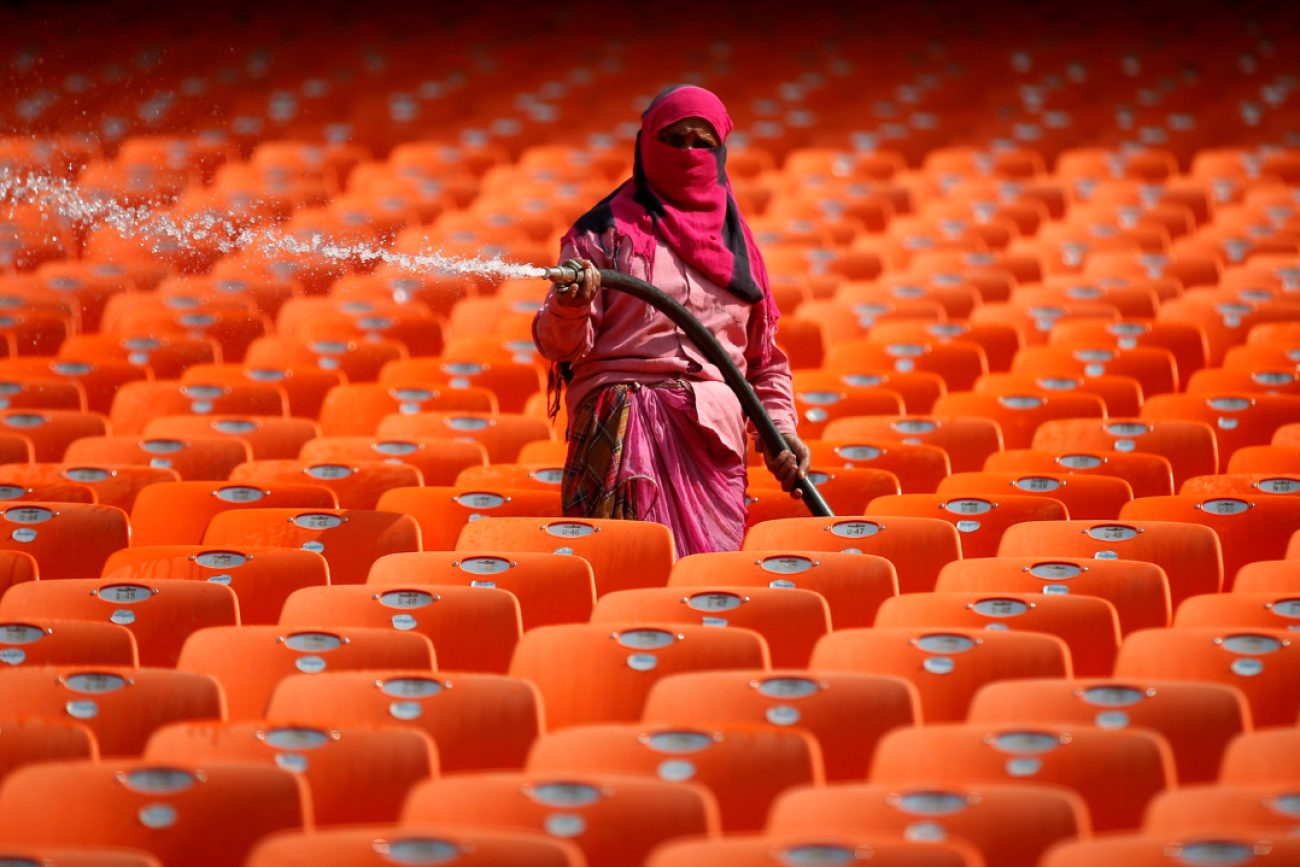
pixel 685 197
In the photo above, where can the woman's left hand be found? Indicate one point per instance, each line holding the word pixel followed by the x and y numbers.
pixel 791 465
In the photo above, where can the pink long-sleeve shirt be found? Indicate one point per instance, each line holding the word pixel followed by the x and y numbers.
pixel 617 338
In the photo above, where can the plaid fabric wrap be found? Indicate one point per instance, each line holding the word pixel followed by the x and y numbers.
pixel 593 484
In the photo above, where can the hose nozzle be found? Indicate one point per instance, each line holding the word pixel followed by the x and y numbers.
pixel 560 274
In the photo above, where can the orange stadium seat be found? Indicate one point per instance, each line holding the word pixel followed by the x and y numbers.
pixel 947 666
pixel 51 432
pixel 353 847
pixel 389 760
pixel 178 513
pixel 248 661
pixel 113 484
pixel 968 441
pixel 36 740
pixel 357 410
pixel 68 540
pixel 1138 763
pixel 268 437
pixel 357 485
pixel 199 458
pixel 443 512
pixel 1147 475
pixel 159 614
pixel 846 712
pixel 918 468
pixel 1084 496
pixel 137 402
pixel 550 588
pixel 33 640
pixel 1269 756
pixel 1121 395
pixel 1190 446
pixel 121 705
pixel 261 578
pixel 1238 420
pixel 349 539
pixel 127 805
pixel 980 522
pixel 591 673
pixel 1140 850
pixel 745 766
pixel 622 817
pixel 479 721
pixel 1019 416
pixel 1188 553
pixel 304 386
pixel 764 850
pixel 1197 719
pixel 1190 809
pixel 440 462
pixel 1009 823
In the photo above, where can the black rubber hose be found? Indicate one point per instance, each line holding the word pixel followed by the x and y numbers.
pixel 708 344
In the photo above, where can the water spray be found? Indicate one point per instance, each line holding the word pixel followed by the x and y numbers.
pixel 708 344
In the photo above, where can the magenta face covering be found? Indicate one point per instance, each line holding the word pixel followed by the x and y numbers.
pixel 684 197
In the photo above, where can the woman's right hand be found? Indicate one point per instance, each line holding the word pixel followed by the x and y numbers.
pixel 579 294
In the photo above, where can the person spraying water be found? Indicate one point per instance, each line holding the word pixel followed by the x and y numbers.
pixel 655 432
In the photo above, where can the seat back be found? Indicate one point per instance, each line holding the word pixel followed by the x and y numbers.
pixel 479 721
pixel 1190 446
pixel 980 521
pixel 1215 843
pixel 967 441
pixel 51 432
pixel 198 458
pixel 1188 553
pixel 918 468
pixel 269 437
pixel 68 540
pixel 355 847
pixel 349 539
pixel 357 484
pixel 1147 475
pixel 502 435
pixel 357 409
pixel 443 512
pixel 1086 497
pixel 1019 415
pixel 178 513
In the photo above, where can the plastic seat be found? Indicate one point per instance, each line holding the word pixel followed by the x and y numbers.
pixel 159 614
pixel 359 485
pixel 440 462
pixel 178 513
pixel 16 567
pixel 817 407
pixel 35 740
pixel 1197 719
pixel 357 410
pixel 790 620
pixel 1264 461
pixel 744 766
pixel 967 441
pixel 356 847
pixel 1249 528
pixel 1035 323
pixel 1270 380
pixel 137 402
pixel 305 387
pixel 50 432
pixel 623 818
pixel 1258 662
pixel 1261 757
pixel 529 477
pixel 99 378
pixel 268 437
pixel 1275 610
pixel 601 673
pixel 999 340
pixel 355 773
pixel 1265 485
pixel 112 484
pixel 121 705
pixel 980 522
pixel 512 382
pixel 959 363
pixel 624 555
pixel 917 547
pixel 1020 415
pixel 1267 576
pixel 1121 395
pixel 1086 497
pixel 1153 367
pixel 846 713
pixel 1189 446
pixel 502 435
pixel 1147 475
pixel 1238 420
pixel 1010 824
pixel 1115 772
pixel 919 390
pixel 1087 625
pixel 68 540
pixel 443 512
pixel 1138 591
pixel 550 588
pixel 1226 322
pixel 947 666
pixel 15 491
pixel 249 661
pixel 261 578
pixel 1215 844
pixel 847 490
pixel 472 628
pixel 31 393
pixel 478 721
pixel 357 360
pixel 15 449
pixel 1241 805
pixel 1188 553
pixel 350 539
pixel 229 806
pixel 918 468
pixel 209 458
pixel 37 639
pixel 1184 340
pixel 853 585
pixel 769 849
